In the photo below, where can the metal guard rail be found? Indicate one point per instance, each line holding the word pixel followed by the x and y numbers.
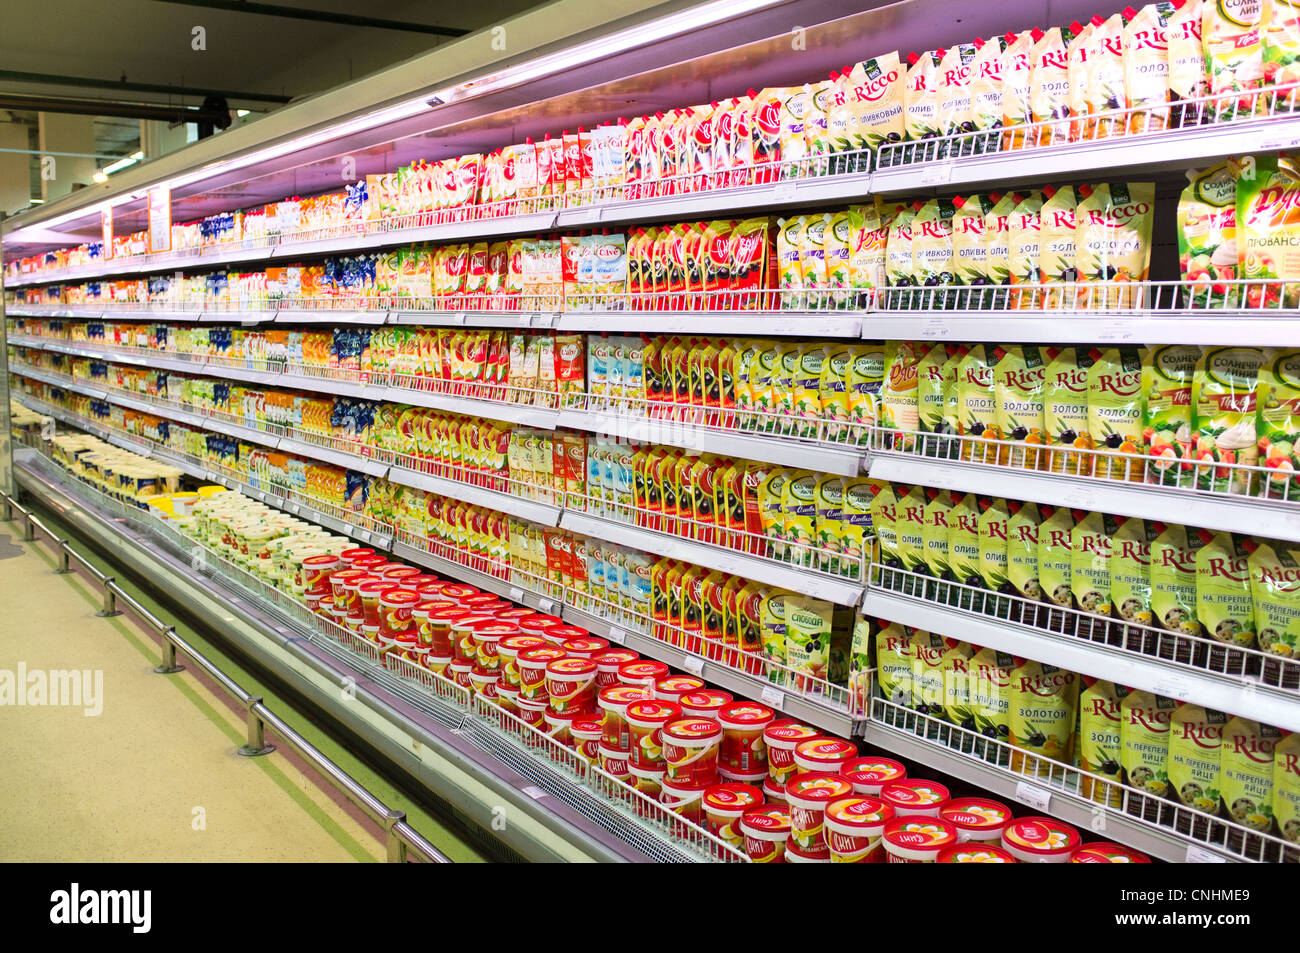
pixel 399 836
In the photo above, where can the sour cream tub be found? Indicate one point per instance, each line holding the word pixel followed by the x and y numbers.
pixel 854 826
pixel 487 640
pixel 438 664
pixel 975 852
pixel 706 703
pixel 583 645
pixel 340 586
pixel 1040 840
pixel 808 796
pixel 774 792
pixel 532 712
pixel 612 702
pixel 724 805
pixel 915 797
pixel 607 663
pixel 485 684
pixel 648 781
pixel 781 738
pixel 671 688
pixel 614 761
pixel 463 645
pixel 440 637
pixel 756 778
pixel 686 800
pixel 764 832
pixel 793 855
pixel 690 749
pixel 540 624
pixel 976 818
pixel 824 755
pixel 571 685
pixel 870 774
pixel 743 748
pixel 508 650
pixel 349 557
pixel 642 673
pixel 532 671
pixel 559 725
pixel 316 571
pixel 917 840
pixel 460 672
pixel 395 608
pixel 586 733
pixel 1104 852
pixel 646 720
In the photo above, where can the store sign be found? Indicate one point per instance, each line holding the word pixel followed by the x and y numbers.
pixel 106 230
pixel 160 220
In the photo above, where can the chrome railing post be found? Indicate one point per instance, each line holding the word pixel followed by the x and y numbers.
pixel 65 558
pixel 110 608
pixel 396 847
pixel 29 528
pixel 256 745
pixel 168 665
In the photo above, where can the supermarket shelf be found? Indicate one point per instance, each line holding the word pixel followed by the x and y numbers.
pixel 1220 326
pixel 474 577
pixel 472 319
pixel 1237 694
pixel 426 737
pixel 543 514
pixel 808 582
pixel 1174 149
pixel 824 715
pixel 325 316
pixel 1215 511
pixel 340 458
pixel 842 461
pixel 842 324
pixel 1066 805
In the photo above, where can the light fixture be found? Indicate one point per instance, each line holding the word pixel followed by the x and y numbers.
pixel 100 176
pixel 123 162
pixel 38 201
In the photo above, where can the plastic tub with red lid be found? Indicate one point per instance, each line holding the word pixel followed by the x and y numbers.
pixel 462 635
pixel 975 852
pixel 976 818
pixel 532 670
pixel 870 773
pixel 585 730
pixel 671 688
pixel 607 663
pixel 580 643
pixel 485 683
pixel 648 781
pixel 808 795
pixel 642 673
pixel 558 724
pixel 395 607
pixel 436 638
pixel 684 799
pixel 705 703
pixel 508 650
pixel 755 778
pixel 349 556
pixel 743 747
pixel 340 582
pixel 487 640
pixel 724 805
pixel 915 797
pixel 539 623
pixel 612 701
pixel 773 791
pixel 512 613
pixel 690 747
pixel 765 831
pixel 460 672
pixel 781 737
pixel 316 572
pixel 827 755
pixel 645 721
pixel 571 685
pixel 854 826
pixel 917 840
pixel 614 761
pixel 1104 852
pixel 1040 840
pixel 401 574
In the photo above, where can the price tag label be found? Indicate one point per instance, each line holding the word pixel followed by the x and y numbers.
pixel 1081 498
pixel 1033 795
pixel 459 317
pixel 785 191
pixel 534 792
pixel 516 594
pixel 349 529
pixel 585 215
pixel 617 636
pixel 543 319
pixel 935 328
pixel 546 605
pixel 774 697
pixel 1116 331
pixel 938 173
pixel 1171 686
pixel 1197 854
pixel 294 509
pixel 693 664
pixel 1279 142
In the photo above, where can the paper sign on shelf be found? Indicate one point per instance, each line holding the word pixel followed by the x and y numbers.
pixel 516 594
pixel 106 232
pixel 774 697
pixel 160 220
pixel 693 664
pixel 1034 796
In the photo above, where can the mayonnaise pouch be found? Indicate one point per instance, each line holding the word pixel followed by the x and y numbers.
pixel 934 533
pixel 1144 742
pixel 1056 249
pixel 1055 559
pixel 866 263
pixel 812 260
pixel 997 241
pixel 932 255
pixel 991 533
pixel 1146 67
pixel 953 100
pixel 1043 711
pixel 1116 412
pixel 990 691
pixel 1113 244
pixel 1224 417
pixel 977 420
pixel 866 380
pixel 1173 580
pixel 855 526
pixel 986 95
pixel 884 517
pixel 898 257
pixel 1018 384
pixel 796 107
pixel 837 245
pixel 1023 250
pixel 1049 87
pixel 1167 374
pixel 808 625
pixel 930 393
pixel 789 252
pixel 799 512
pixel 1234 52
pixel 1017 70
pixel 1195 744
pixel 1106 80
pixel 1090 571
pixel 909 523
pixel 1082 48
pixel 964 551
pixel 1207 236
pixel 1279 422
pixel 829 491
pixel 1268 222
pixel 1223 593
pixel 1246 779
pixel 894 662
pixel 921 104
pixel 1024 523
pixel 771 509
pixel 1274 574
pixel 898 408
pixel 879 98
pixel 833 392
pixel 1187 70
pixel 970 250
pixel 1286 789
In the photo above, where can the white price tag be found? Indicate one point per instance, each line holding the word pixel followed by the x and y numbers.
pixel 543 319
pixel 1081 498
pixel 1279 142
pixel 534 792
pixel 585 215
pixel 785 191
pixel 1197 854
pixel 1171 686
pixel 349 529
pixel 935 328
pixel 546 605
pixel 1116 331
pixel 693 664
pixel 617 636
pixel 936 174
pixel 294 509
pixel 774 697
pixel 516 594
pixel 1033 795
